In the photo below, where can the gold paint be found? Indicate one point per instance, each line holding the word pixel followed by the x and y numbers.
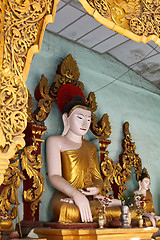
pixel 31 162
pixel 67 73
pixel 1 31
pixel 44 104
pixel 37 140
pixel 8 195
pixel 101 129
pixel 148 22
pixel 6 224
pixel 37 132
pixel 135 19
pixel 22 26
pixel 106 233
pixel 119 173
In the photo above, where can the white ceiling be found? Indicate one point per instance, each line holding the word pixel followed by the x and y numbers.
pixel 74 23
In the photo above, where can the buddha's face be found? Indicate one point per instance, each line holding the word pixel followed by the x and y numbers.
pixel 145 183
pixel 79 121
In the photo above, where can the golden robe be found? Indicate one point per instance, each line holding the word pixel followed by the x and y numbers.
pixel 81 169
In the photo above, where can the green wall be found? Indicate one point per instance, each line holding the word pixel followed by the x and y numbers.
pixel 130 98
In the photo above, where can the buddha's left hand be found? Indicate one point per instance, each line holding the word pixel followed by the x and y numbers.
pixel 90 191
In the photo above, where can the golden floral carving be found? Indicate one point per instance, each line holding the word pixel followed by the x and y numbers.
pixel 30 108
pixel 129 156
pixel 31 163
pixel 69 68
pixel 119 12
pixel 119 173
pixel 8 195
pixel 8 153
pixel 102 128
pixel 44 100
pixel 135 19
pixel 91 100
pixel 149 20
pixel 67 72
pixel 22 27
pixel 1 31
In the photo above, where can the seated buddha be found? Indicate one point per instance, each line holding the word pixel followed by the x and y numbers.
pixel 148 208
pixel 73 165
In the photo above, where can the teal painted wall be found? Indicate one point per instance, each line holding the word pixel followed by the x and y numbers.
pixel 130 98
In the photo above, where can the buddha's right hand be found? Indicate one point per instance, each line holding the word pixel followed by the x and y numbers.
pixel 83 204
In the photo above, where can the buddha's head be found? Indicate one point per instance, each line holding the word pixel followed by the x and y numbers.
pixel 144 180
pixel 76 114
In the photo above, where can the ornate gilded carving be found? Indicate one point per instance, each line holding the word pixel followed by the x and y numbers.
pixel 119 12
pixel 149 20
pixel 129 157
pixel 31 163
pixel 8 153
pixel 102 128
pixel 67 72
pixel 1 32
pixel 44 100
pixel 22 25
pixel 117 174
pixel 135 19
pixel 8 195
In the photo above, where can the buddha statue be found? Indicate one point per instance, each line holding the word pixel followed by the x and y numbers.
pixel 148 208
pixel 73 165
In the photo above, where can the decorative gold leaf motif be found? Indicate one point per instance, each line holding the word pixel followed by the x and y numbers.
pixel 30 107
pixel 135 19
pixel 44 100
pixel 91 100
pixel 3 139
pixel 31 163
pixel 119 173
pixel 118 12
pixel 22 25
pixel 149 20
pixel 8 195
pixel 101 129
pixel 67 72
pixel 69 68
pixel 2 8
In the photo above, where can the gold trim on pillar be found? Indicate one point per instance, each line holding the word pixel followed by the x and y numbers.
pixel 135 19
pixel 22 28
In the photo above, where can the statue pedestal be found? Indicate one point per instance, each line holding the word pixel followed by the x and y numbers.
pixel 6 224
pixel 96 234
